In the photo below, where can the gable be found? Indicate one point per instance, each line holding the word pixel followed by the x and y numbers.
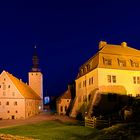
pixel 7 88
pixel 23 89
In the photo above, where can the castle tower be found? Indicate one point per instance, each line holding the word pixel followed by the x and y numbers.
pixel 35 76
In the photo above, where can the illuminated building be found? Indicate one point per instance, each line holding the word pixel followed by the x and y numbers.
pixel 63 103
pixel 113 70
pixel 18 100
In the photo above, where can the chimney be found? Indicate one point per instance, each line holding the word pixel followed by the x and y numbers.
pixel 124 44
pixel 102 44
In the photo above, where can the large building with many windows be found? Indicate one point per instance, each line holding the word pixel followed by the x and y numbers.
pixel 113 71
pixel 19 100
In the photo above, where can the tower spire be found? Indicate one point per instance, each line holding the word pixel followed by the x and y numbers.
pixel 35 60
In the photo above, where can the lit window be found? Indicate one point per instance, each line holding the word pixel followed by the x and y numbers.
pixel 109 78
pixel 7 103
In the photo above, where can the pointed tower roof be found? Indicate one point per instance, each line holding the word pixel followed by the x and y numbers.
pixel 35 61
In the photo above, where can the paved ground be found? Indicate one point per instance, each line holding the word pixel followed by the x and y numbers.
pixel 38 118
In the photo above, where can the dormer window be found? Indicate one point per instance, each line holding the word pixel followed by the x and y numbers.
pixel 88 67
pixel 134 63
pixel 122 63
pixel 107 61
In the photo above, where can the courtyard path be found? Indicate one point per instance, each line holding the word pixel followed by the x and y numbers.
pixel 32 120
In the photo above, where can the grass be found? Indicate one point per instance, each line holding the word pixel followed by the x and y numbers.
pixel 51 130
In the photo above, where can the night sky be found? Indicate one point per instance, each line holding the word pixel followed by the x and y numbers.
pixel 66 34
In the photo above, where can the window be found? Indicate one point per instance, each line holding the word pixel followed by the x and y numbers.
pixel 4 87
pixel 15 103
pixel 107 61
pixel 89 96
pixel 134 63
pixel 7 103
pixel 0 103
pixel 84 83
pixel 67 100
pixel 16 111
pixel 79 85
pixel 0 86
pixel 136 80
pixel 122 63
pixel 4 79
pixel 90 80
pixel 61 108
pixel 114 79
pixel 8 86
pixel 88 67
pixel 111 79
pixel 8 111
pixel 65 108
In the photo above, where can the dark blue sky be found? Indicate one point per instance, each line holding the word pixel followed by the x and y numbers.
pixel 66 34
